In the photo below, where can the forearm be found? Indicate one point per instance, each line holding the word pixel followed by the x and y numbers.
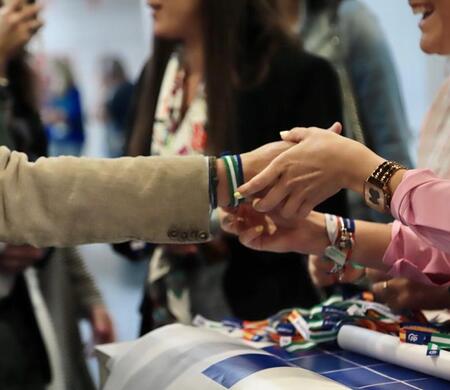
pixel 69 201
pixel 371 242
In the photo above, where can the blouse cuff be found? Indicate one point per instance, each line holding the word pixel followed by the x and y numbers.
pixel 412 179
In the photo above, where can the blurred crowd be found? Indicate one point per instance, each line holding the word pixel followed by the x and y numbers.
pixel 224 75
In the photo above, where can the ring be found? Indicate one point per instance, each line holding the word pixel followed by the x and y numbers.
pixel 385 284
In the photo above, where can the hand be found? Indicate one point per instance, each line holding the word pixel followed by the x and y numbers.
pixel 319 270
pixel 252 162
pixel 16 259
pixel 233 220
pixel 403 294
pixel 102 325
pixel 321 164
pixel 18 24
pixel 255 161
pixel 279 235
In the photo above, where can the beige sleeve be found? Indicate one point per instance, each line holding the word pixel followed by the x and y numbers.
pixel 66 201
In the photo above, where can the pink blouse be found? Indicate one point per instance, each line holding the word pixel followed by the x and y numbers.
pixel 420 246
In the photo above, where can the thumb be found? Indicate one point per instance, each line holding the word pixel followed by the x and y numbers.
pixel 336 128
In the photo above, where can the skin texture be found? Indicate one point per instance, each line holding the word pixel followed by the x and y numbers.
pixel 321 164
pixel 435 28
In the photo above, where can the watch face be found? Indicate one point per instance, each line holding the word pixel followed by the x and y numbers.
pixel 375 197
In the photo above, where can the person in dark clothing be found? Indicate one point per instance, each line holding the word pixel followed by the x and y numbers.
pixel 247 82
pixel 116 105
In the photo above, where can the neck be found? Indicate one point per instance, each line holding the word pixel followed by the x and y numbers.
pixel 194 55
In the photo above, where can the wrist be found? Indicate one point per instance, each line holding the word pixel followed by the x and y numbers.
pixel 357 176
pixel 318 237
pixel 396 180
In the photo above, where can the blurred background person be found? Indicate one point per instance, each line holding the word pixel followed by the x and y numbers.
pixel 63 113
pixel 225 75
pixel 348 34
pixel 43 292
pixel 118 92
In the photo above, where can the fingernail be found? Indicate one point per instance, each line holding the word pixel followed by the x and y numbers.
pixel 240 219
pixel 255 203
pixel 259 229
pixel 238 195
pixel 284 133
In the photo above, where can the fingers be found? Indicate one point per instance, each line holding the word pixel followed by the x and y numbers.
pixel 300 133
pixel 336 128
pixel 14 5
pixel 251 238
pixel 264 179
pixel 291 207
pixel 34 26
pixel 272 199
pixel 295 135
pixel 29 12
pixel 304 209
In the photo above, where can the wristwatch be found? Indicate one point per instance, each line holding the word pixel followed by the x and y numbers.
pixel 376 188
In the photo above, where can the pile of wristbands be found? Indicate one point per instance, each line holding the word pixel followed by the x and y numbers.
pixel 300 329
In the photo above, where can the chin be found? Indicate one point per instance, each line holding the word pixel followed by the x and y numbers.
pixel 427 47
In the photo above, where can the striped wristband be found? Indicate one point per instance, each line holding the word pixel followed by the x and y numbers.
pixel 235 177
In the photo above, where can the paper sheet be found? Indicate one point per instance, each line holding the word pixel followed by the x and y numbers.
pixel 390 349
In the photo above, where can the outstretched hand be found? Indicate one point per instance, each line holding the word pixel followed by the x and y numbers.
pixel 317 167
pixel 269 232
pixel 18 23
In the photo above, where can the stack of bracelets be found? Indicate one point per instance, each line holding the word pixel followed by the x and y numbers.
pixel 235 178
pixel 341 233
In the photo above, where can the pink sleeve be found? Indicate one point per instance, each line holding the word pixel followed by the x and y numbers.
pixel 422 202
pixel 410 256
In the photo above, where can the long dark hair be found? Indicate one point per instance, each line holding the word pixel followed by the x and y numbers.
pixel 25 107
pixel 240 37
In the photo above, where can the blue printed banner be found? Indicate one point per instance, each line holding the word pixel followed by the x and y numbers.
pixel 230 371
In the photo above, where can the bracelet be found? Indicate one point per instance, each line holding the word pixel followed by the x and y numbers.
pixel 376 187
pixel 4 82
pixel 213 182
pixel 341 233
pixel 233 167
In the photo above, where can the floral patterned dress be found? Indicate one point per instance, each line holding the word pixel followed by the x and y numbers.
pixel 170 276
